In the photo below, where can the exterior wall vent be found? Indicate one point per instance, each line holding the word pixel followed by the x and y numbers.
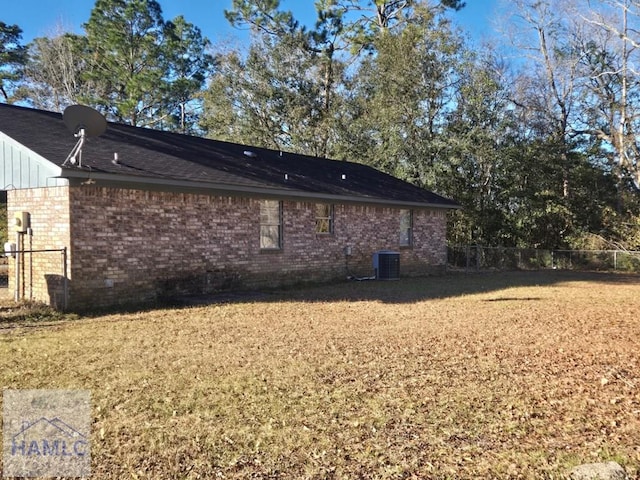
pixel 386 265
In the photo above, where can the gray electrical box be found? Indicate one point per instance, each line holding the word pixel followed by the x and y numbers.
pixel 21 222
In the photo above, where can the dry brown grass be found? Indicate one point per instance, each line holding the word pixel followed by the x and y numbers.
pixel 517 375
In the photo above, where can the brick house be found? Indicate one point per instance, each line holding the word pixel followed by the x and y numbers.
pixel 148 214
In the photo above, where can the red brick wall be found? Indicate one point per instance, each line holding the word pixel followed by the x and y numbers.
pixel 130 246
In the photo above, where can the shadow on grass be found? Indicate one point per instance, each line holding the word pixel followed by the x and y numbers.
pixel 411 290
pixel 402 291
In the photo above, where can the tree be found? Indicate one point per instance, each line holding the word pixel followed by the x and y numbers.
pixel 127 63
pixel 478 168
pixel 273 98
pixel 344 28
pixel 53 75
pixel 610 53
pixel 286 89
pixel 364 21
pixel 401 97
pixel 548 90
pixel 139 64
pixel 13 56
pixel 263 16
pixel 189 68
pixel 315 49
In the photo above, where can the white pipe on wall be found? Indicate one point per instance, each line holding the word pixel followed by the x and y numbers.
pixel 17 289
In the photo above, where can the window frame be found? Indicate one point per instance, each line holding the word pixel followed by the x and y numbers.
pixel 405 237
pixel 328 220
pixel 269 225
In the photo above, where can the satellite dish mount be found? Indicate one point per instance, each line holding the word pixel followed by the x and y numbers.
pixel 83 122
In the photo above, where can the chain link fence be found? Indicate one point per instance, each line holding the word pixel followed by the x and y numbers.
pixel 478 258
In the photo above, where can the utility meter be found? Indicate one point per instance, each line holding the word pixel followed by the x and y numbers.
pixel 21 222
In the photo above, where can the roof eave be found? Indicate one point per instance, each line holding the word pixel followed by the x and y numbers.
pixel 78 177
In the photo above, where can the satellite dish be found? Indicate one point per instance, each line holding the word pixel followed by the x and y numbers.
pixel 83 122
pixel 80 117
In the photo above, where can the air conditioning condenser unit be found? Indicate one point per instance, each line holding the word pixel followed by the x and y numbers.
pixel 386 265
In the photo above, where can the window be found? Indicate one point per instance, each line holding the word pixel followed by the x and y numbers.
pixel 270 224
pixel 406 228
pixel 324 218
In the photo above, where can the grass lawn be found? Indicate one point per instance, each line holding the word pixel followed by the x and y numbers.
pixel 509 375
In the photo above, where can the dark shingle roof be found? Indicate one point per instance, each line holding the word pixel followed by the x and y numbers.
pixel 146 155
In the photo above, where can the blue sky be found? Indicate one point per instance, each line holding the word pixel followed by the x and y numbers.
pixel 39 18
